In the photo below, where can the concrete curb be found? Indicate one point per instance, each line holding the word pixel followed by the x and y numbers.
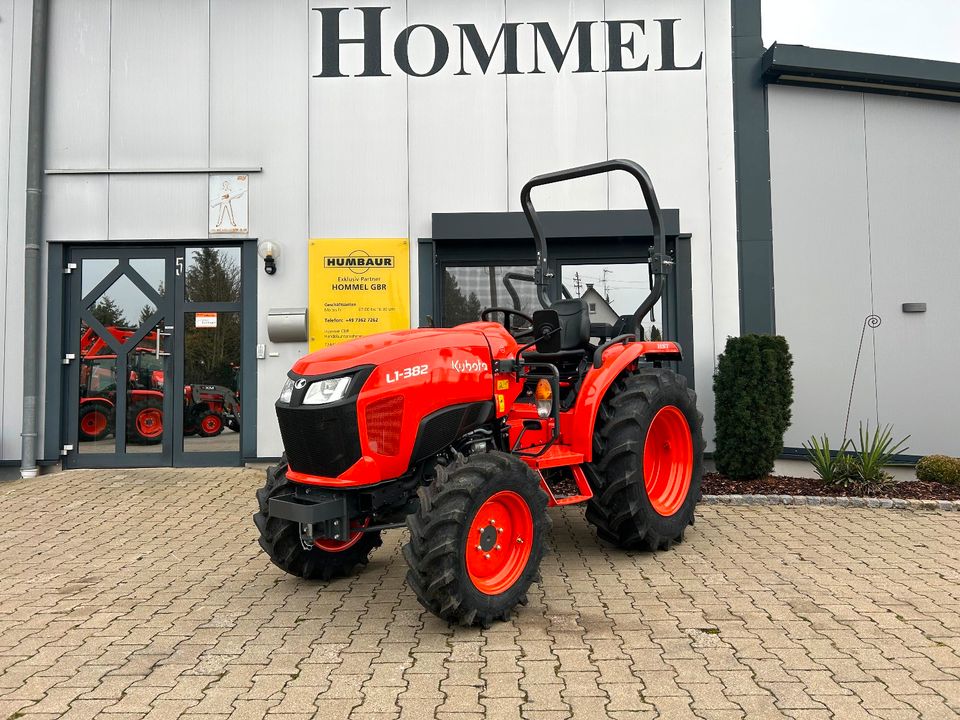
pixel 850 502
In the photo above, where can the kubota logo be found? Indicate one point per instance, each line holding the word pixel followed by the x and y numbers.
pixel 300 384
pixel 358 262
pixel 470 366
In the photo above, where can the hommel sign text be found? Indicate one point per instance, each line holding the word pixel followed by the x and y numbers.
pixel 630 43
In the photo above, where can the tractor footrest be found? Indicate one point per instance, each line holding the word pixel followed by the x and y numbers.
pixel 309 508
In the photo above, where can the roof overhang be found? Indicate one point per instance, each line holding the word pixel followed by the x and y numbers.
pixel 861 72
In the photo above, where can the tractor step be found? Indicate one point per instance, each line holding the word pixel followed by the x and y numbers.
pixel 557 456
pixel 566 488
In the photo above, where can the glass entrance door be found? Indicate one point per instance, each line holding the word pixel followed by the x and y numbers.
pixel 119 364
pixel 152 368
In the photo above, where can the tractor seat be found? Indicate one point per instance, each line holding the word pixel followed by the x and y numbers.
pixel 574 332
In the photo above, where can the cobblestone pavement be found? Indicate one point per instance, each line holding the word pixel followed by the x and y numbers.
pixel 143 593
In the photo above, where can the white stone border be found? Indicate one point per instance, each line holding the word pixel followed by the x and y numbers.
pixel 854 502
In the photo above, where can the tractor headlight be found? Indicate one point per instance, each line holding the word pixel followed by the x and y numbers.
pixel 322 392
pixel 287 392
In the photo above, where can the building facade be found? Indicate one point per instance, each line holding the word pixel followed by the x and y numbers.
pixel 183 136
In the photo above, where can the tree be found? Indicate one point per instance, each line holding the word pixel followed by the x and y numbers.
pixel 212 276
pixel 109 313
pixel 655 335
pixel 211 354
pixel 457 307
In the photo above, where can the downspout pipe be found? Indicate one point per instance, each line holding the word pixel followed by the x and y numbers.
pixel 33 238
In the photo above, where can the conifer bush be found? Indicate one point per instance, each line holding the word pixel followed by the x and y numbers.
pixel 753 387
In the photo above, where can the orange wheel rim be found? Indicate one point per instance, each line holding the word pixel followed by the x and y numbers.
pixel 341 545
pixel 668 460
pixel 211 423
pixel 93 423
pixel 499 542
pixel 150 423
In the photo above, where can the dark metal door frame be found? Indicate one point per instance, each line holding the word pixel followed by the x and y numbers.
pixel 77 311
pixel 62 338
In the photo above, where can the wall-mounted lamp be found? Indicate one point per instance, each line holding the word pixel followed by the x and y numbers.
pixel 269 251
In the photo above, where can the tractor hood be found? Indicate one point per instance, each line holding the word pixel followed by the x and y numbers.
pixel 385 348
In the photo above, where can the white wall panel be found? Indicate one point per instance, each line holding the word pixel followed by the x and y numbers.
pixel 821 254
pixel 556 119
pixel 78 86
pixel 15 26
pixel 913 153
pixel 158 207
pixel 722 177
pixel 358 137
pixel 75 207
pixel 8 196
pixel 659 118
pixel 457 124
pixel 258 116
pixel 159 84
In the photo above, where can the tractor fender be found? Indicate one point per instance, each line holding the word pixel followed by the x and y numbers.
pixel 146 393
pixel 597 381
pixel 100 400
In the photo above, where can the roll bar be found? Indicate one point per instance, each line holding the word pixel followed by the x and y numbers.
pixel 659 261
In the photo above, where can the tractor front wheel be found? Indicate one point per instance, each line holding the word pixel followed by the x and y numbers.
pixel 647 461
pixel 145 425
pixel 210 424
pixel 477 539
pixel 280 539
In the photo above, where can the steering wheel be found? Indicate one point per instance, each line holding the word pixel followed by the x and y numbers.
pixel 507 312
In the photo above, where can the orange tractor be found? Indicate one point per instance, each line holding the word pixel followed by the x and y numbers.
pixel 466 435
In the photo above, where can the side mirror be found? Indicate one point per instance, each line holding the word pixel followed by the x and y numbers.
pixel 546 329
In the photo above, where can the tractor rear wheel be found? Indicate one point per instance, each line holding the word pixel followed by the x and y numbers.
pixel 145 425
pixel 477 539
pixel 647 461
pixel 280 539
pixel 96 421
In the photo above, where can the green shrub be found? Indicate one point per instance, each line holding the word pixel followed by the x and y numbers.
pixel 939 468
pixel 859 467
pixel 753 387
pixel 777 344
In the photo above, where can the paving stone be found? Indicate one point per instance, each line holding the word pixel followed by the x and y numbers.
pixel 808 610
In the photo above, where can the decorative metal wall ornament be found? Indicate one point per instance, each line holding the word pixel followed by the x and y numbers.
pixel 873 321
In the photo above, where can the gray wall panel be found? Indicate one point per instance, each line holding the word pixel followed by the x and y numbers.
pixel 159 84
pixel 358 138
pixel 75 207
pixel 258 101
pixel 557 120
pixel 821 253
pixel 154 207
pixel 913 152
pixel 78 89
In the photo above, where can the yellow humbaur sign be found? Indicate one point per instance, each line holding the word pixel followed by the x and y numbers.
pixel 359 261
pixel 358 287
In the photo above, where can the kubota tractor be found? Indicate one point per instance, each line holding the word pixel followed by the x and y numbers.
pixel 466 435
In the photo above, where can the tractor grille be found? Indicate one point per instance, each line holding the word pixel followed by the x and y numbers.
pixel 320 440
pixel 384 420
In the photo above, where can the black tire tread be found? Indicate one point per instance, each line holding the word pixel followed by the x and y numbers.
pixel 617 511
pixel 434 551
pixel 280 539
